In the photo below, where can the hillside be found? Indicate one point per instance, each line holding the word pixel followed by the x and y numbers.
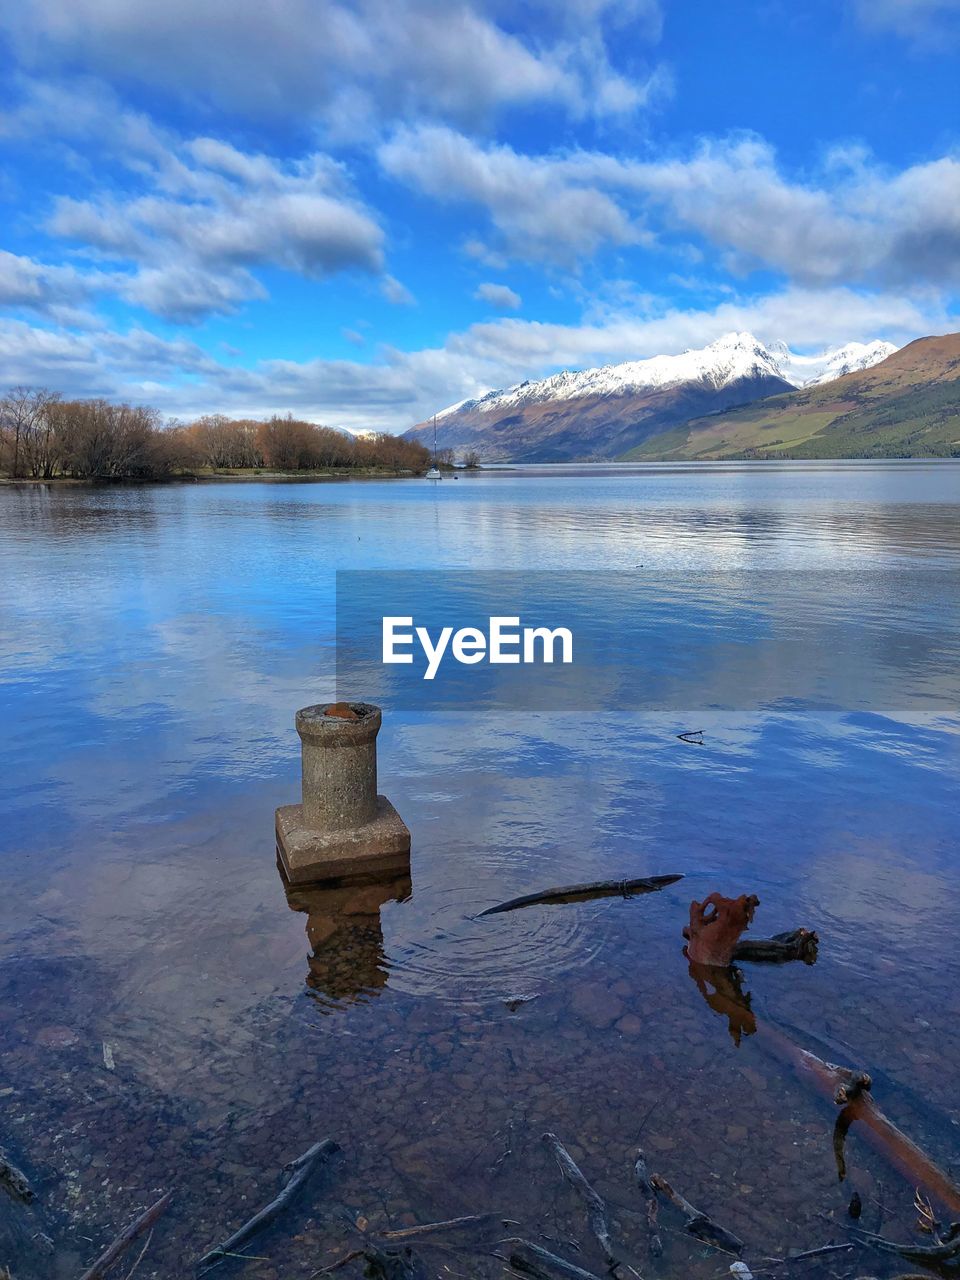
pixel 906 406
pixel 601 413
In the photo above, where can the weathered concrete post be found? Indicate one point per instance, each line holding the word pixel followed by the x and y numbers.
pixel 341 827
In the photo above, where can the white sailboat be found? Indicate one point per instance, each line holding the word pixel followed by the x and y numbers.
pixel 434 472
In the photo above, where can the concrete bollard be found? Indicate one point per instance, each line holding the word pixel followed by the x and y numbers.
pixel 339 766
pixel 342 827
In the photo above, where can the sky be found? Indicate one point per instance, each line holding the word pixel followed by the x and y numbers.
pixel 361 212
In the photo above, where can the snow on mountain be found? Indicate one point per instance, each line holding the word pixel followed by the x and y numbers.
pixel 731 359
pixel 810 371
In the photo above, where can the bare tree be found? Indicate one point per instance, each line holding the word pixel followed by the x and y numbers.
pixel 23 412
pixel 42 435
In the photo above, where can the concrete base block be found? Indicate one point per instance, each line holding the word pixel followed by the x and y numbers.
pixel 306 856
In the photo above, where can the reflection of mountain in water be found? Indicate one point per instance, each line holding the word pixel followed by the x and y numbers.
pixel 346 938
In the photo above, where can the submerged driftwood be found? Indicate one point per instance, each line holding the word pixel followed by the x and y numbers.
pixel 301 1169
pixel 596 1206
pixel 850 1090
pixel 535 1261
pixel 435 1228
pixel 714 932
pixel 126 1238
pixel 13 1181
pixel 797 944
pixel 696 1222
pixel 649 1194
pixel 945 1250
pixel 585 893
pixel 381 1263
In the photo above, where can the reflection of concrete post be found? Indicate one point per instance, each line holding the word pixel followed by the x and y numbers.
pixel 342 827
pixel 344 927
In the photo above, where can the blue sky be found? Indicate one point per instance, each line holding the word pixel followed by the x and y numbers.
pixel 361 212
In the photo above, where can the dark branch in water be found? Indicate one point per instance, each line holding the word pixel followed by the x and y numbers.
pixel 14 1182
pixel 126 1238
pixel 528 1265
pixel 945 1251
pixel 303 1166
pixel 693 736
pixel 697 1223
pixel 808 1255
pixel 797 944
pixel 433 1228
pixel 653 1205
pixel 585 893
pixel 596 1207
pixel 382 1264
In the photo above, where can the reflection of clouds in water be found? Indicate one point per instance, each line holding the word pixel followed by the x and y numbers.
pixel 500 791
pixel 877 899
pixel 193 932
pixel 157 656
pixel 659 641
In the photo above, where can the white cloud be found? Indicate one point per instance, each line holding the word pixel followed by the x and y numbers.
pixel 97 362
pixel 397 388
pixel 858 223
pixel 917 20
pixel 543 208
pixel 500 296
pixel 37 286
pixel 350 64
pixel 191 220
pixel 804 318
pixel 396 292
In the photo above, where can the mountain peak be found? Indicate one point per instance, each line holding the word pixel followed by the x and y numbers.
pixel 733 369
pixel 735 339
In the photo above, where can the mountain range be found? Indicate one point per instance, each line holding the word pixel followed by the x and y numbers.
pixel 610 411
pixel 907 406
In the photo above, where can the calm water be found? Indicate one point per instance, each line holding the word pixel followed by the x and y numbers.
pixel 170 1016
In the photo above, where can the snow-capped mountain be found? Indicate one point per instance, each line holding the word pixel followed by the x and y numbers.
pixel 811 371
pixel 600 413
pixel 738 355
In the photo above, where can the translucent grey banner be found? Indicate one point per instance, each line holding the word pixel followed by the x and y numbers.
pixel 590 641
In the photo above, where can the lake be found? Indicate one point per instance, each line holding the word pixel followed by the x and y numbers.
pixel 172 1016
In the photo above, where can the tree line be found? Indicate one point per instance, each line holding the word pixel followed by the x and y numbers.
pixel 43 436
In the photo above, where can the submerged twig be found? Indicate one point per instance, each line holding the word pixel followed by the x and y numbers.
pixel 944 1251
pixel 653 1204
pixel 303 1166
pixel 529 1267
pixel 140 1256
pixel 697 1223
pixel 585 893
pixel 808 1255
pixel 432 1228
pixel 596 1207
pixel 382 1264
pixel 126 1237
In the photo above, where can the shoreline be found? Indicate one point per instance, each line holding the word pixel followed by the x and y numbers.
pixel 218 477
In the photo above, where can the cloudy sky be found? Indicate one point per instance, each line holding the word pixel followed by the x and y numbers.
pixel 362 210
